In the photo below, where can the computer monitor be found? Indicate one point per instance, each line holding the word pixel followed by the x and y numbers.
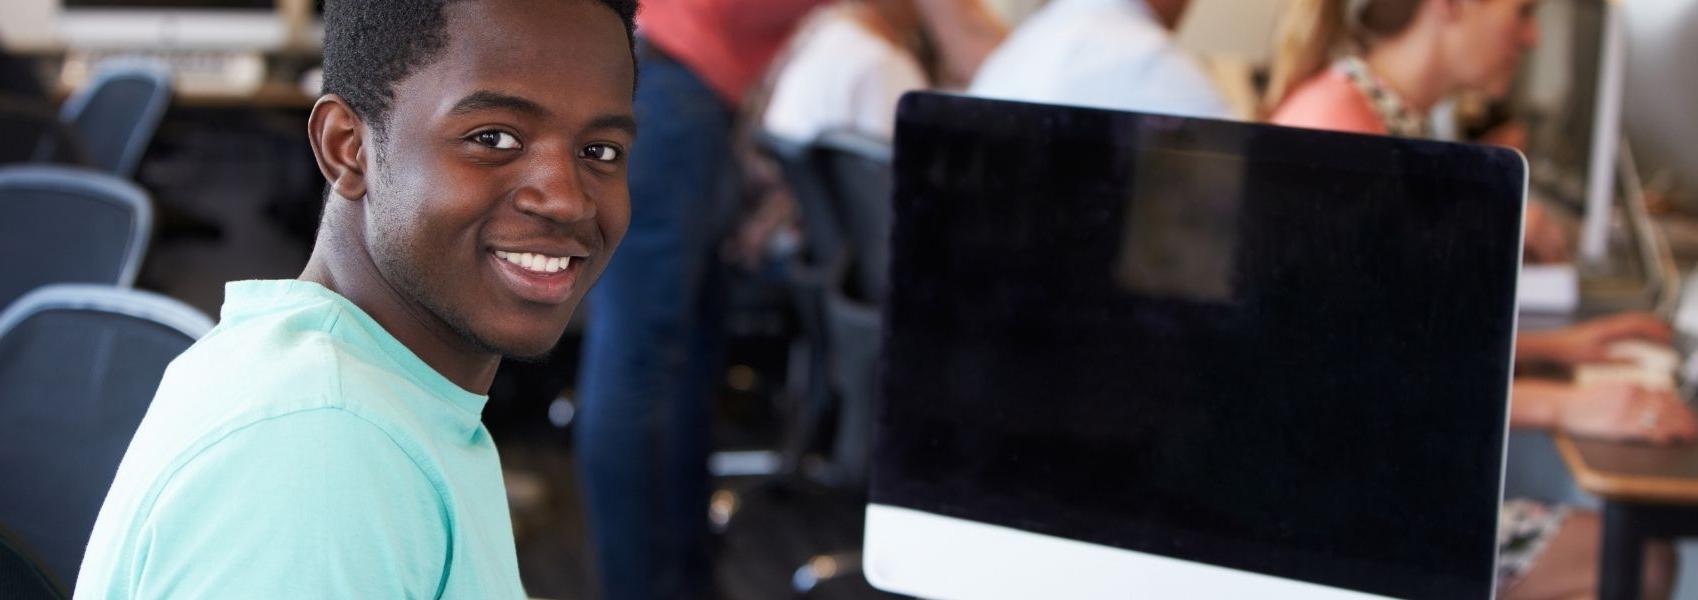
pixel 1146 356
pixel 1573 92
pixel 172 24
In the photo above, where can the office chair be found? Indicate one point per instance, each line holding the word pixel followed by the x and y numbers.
pixel 68 225
pixel 857 171
pixel 119 111
pixel 822 250
pixel 79 364
pixel 33 133
pixel 21 574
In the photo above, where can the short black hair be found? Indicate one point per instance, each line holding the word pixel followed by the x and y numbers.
pixel 370 45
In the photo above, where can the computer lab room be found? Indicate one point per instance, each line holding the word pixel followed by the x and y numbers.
pixel 849 299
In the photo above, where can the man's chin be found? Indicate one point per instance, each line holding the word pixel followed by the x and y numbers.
pixel 529 357
pixel 527 339
pixel 523 350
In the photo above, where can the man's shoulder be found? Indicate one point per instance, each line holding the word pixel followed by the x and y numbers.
pixel 262 377
pixel 271 365
pixel 309 497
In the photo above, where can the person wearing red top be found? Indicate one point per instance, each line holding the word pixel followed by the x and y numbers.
pixel 1378 67
pixel 651 342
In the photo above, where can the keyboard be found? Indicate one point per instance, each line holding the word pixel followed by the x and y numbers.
pixel 193 72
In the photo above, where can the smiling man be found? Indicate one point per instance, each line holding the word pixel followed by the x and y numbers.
pixel 325 440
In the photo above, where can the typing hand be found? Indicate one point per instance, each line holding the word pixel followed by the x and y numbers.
pixel 1590 342
pixel 1627 412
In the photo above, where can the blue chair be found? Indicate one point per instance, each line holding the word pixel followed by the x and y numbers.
pixel 68 225
pixel 118 112
pixel 79 365
pixel 32 132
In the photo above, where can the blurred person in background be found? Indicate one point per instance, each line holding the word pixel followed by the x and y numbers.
pixel 1326 77
pixel 965 33
pixel 1379 67
pixel 652 345
pixel 1114 54
pixel 845 70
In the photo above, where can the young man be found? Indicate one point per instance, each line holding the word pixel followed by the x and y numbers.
pixel 324 441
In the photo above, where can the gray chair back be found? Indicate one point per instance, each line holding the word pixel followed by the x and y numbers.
pixel 856 331
pixel 32 132
pixel 857 170
pixel 78 368
pixel 67 225
pixel 118 112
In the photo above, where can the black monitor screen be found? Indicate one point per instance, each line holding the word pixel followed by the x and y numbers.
pixel 174 4
pixel 1267 349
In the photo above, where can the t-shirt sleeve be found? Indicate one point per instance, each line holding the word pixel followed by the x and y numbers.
pixel 879 89
pixel 316 504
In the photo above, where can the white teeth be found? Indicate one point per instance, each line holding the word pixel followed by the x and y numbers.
pixel 536 262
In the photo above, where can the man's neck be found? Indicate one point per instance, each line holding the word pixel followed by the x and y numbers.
pixel 343 266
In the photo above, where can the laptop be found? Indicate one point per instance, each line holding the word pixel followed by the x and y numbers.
pixel 1144 356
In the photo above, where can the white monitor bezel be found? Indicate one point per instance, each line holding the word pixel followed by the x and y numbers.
pixel 926 555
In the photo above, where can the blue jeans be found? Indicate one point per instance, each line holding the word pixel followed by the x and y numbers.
pixel 653 344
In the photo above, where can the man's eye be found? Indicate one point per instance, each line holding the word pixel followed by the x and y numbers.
pixel 601 152
pixel 499 140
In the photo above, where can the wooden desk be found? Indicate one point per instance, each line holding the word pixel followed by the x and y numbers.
pixel 280 90
pixel 1649 493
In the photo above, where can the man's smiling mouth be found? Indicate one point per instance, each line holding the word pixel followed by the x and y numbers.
pixel 538 263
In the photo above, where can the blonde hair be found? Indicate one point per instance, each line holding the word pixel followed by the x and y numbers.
pixel 1314 32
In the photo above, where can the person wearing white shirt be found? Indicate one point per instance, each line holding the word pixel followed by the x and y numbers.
pixel 1114 54
pixel 846 70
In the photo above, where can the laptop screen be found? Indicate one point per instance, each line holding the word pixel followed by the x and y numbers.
pixel 1266 349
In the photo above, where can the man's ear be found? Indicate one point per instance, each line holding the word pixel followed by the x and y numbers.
pixel 338 143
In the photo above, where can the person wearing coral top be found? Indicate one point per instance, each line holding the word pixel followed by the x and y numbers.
pixel 1378 67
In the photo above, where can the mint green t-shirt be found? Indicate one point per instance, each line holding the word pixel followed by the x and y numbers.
pixel 300 451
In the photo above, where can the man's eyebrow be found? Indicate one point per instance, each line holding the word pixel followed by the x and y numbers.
pixel 624 123
pixel 487 100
